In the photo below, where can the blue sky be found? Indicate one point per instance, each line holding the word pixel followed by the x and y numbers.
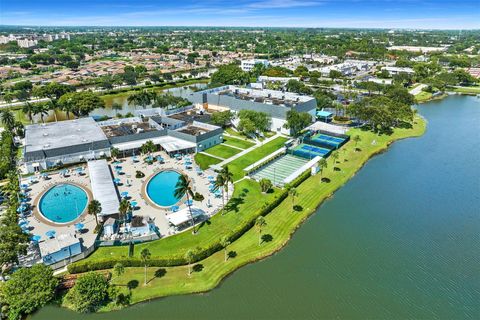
pixel 426 14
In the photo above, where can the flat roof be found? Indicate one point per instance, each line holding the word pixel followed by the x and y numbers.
pixel 103 188
pixel 56 244
pixel 62 134
pixel 169 143
pixel 266 96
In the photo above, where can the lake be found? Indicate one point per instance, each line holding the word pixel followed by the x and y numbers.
pixel 400 240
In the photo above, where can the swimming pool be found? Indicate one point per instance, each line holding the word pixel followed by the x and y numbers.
pixel 63 203
pixel 161 188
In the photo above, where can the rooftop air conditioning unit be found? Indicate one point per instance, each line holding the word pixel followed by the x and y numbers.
pixel 139 130
pixel 134 126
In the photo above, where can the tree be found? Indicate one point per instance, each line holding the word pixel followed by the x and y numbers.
pixel 265 185
pixel 227 177
pixel 335 155
pixel 81 103
pixel 89 292
pixel 123 208
pixel 42 110
pixel 53 91
pixel 29 109
pixel 94 208
pixel 27 290
pixel 229 74
pixel 222 118
pixel 145 256
pixel 8 119
pixel 297 121
pixel 143 98
pixel 322 164
pixel 225 242
pixel 118 269
pixel 115 152
pixel 190 258
pixel 183 187
pixel 260 223
pixel 334 74
pixel 148 147
pixel 298 87
pixel 252 121
pixel 219 184
pixel 357 139
pixel 292 192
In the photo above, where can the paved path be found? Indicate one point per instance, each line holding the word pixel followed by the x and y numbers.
pixel 417 89
pixel 211 155
pixel 234 147
pixel 238 155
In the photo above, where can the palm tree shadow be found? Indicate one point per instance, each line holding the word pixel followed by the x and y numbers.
pixel 233 204
pixel 267 238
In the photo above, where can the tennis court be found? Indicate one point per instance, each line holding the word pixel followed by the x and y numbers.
pixel 335 142
pixel 277 170
pixel 309 152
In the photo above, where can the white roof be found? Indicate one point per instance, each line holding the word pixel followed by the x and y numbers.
pixel 327 127
pixel 102 186
pixel 182 216
pixel 57 244
pixel 168 143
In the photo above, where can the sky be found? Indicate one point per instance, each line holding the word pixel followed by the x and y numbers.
pixel 414 14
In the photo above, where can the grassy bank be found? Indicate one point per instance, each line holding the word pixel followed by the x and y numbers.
pixel 281 224
pixel 473 90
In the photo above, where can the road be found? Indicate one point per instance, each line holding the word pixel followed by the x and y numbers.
pixel 417 89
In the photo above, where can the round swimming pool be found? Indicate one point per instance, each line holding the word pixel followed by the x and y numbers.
pixel 63 203
pixel 161 188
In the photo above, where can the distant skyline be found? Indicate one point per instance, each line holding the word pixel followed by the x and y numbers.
pixel 409 14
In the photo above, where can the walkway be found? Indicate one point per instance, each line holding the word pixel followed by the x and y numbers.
pixel 211 155
pixel 417 89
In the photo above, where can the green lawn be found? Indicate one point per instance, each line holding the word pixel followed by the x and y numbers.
pixel 237 134
pixel 237 165
pixel 245 204
pixel 423 96
pixel 244 144
pixel 281 223
pixel 204 161
pixel 469 90
pixel 222 151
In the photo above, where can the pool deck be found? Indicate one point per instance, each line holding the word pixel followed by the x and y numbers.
pixel 136 190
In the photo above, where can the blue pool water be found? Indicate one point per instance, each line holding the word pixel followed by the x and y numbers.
pixel 161 188
pixel 63 203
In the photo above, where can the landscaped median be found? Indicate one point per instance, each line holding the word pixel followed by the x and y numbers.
pixel 281 220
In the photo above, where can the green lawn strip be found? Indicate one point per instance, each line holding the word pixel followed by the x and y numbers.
pixel 237 165
pixel 281 223
pixel 237 134
pixel 205 161
pixel 423 96
pixel 470 90
pixel 243 207
pixel 244 144
pixel 222 151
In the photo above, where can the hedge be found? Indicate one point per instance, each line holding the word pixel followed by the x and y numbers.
pixel 201 254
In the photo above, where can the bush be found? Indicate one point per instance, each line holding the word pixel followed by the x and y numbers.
pixel 89 292
pixel 139 174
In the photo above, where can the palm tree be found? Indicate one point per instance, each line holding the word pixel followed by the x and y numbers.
pixel 94 208
pixel 219 184
pixel 29 109
pixel 115 152
pixel 8 119
pixel 118 269
pixel 67 107
pixel 42 110
pixel 145 256
pixel 260 223
pixel 8 97
pixel 335 157
pixel 322 164
pixel 183 188
pixel 227 178
pixel 123 209
pixel 292 192
pixel 357 139
pixel 190 257
pixel 225 242
pixel 143 98
pixel 148 147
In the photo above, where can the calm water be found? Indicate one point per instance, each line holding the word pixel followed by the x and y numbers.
pixel 161 188
pixel 122 101
pixel 400 240
pixel 63 203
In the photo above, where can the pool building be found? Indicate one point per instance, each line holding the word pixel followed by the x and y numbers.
pixel 80 140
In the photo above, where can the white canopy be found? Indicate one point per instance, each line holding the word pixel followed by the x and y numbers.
pixel 168 143
pixel 182 216
pixel 327 127
pixel 103 188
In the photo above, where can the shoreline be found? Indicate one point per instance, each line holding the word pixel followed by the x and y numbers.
pixel 282 223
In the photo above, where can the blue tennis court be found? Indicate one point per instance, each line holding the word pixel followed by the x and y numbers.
pixel 309 152
pixel 330 140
